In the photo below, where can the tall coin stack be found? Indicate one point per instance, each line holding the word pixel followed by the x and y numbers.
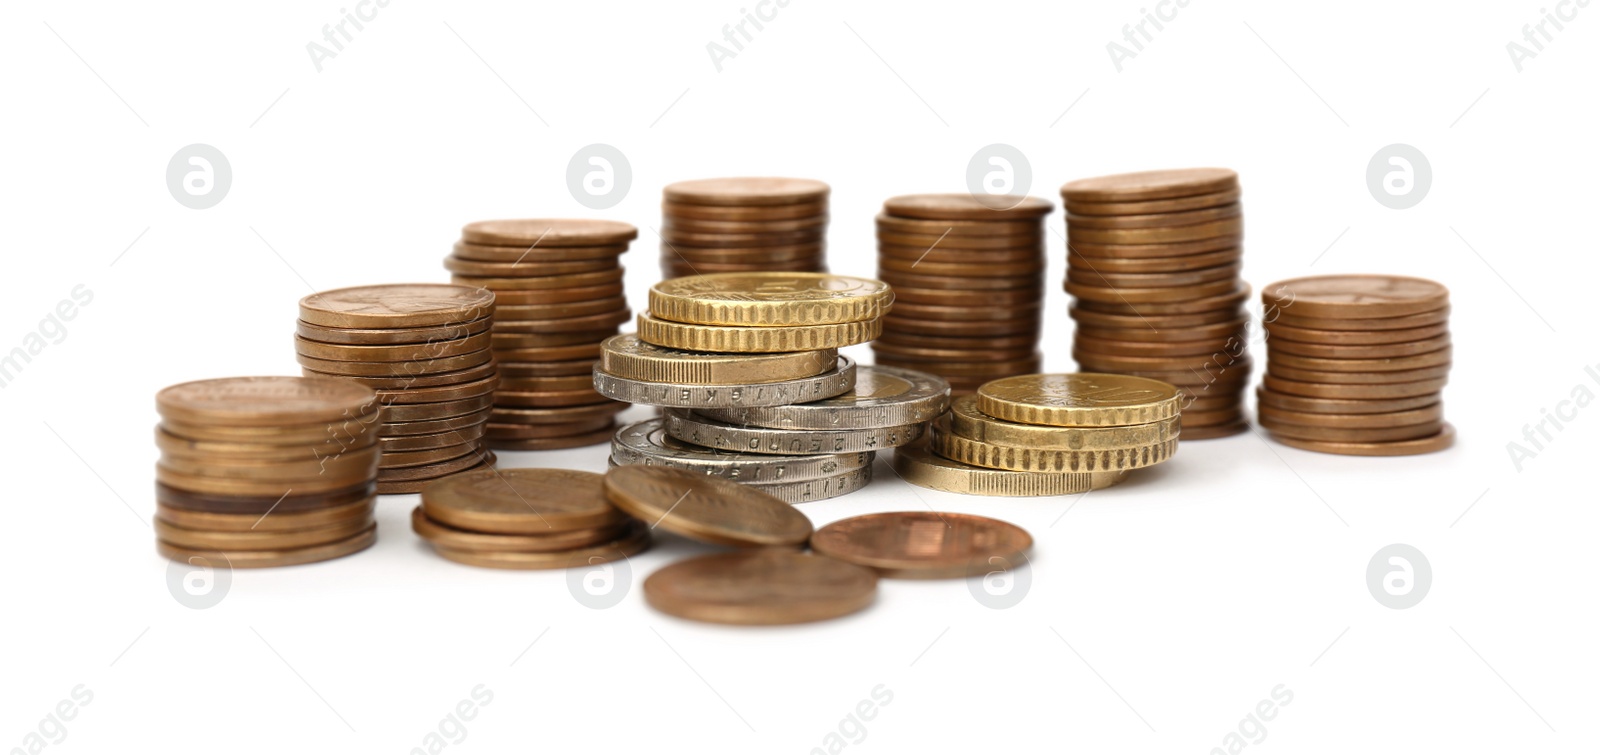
pixel 558 294
pixel 968 276
pixel 265 471
pixel 1034 435
pixel 747 367
pixel 1153 263
pixel 1356 365
pixel 733 225
pixel 424 348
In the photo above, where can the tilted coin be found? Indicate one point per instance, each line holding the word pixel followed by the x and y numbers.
pixel 1348 377
pixel 560 295
pixel 958 228
pixel 924 544
pixel 1134 265
pixel 340 465
pixel 438 393
pixel 741 339
pixel 1083 399
pixel 825 386
pixel 556 232
pixel 1138 251
pixel 431 411
pixel 769 299
pixel 779 225
pixel 635 539
pixel 647 443
pixel 1151 184
pixel 923 468
pixel 477 455
pixel 252 452
pixel 709 509
pixel 882 397
pixel 763 587
pixel 520 501
pixel 1027 459
pixel 400 459
pixel 1360 296
pixel 1216 431
pixel 690 427
pixel 409 305
pixel 251 559
pixel 264 401
pixel 628 357
pixel 445 535
pixel 967 422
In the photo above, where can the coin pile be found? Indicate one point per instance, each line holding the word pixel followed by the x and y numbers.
pixel 1035 435
pixel 526 519
pixel 265 471
pixel 558 294
pixel 1153 264
pixel 734 225
pixel 1356 364
pixel 968 276
pixel 425 349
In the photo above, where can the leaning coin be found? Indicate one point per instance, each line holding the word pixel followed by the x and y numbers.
pixel 924 544
pixel 628 357
pixel 827 385
pixel 647 443
pixel 704 508
pixel 923 468
pixel 701 431
pixel 764 587
pixel 882 397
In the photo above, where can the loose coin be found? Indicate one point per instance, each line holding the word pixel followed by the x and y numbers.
pixel 923 468
pixel 924 544
pixel 709 509
pixel 882 397
pixel 763 587
pixel 1079 400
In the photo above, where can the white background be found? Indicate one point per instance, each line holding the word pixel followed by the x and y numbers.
pixel 1159 612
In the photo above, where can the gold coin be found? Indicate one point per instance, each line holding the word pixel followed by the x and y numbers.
pixel 925 544
pixel 1358 297
pixel 1027 459
pixel 923 468
pixel 406 305
pixel 1083 399
pixel 534 233
pixel 1445 438
pixel 264 401
pixel 709 509
pixel 761 587
pixel 769 299
pixel 967 422
pixel 256 540
pixel 241 559
pixel 270 521
pixel 747 339
pixel 444 535
pixel 628 357
pixel 521 501
pixel 635 539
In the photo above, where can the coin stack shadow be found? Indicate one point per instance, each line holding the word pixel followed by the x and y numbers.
pixel 558 294
pixel 1153 262
pixel 968 277
pixel 1047 435
pixel 1361 376
pixel 729 225
pixel 268 471
pixel 424 348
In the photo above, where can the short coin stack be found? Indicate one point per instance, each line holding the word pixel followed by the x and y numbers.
pixel 1047 435
pixel 265 471
pixel 425 349
pixel 732 225
pixel 1356 364
pixel 558 294
pixel 968 275
pixel 526 519
pixel 1153 263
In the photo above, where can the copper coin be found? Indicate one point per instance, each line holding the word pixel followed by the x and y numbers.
pixel 1438 442
pixel 746 213
pixel 744 254
pixel 1176 278
pixel 1407 322
pixel 434 426
pixel 635 538
pixel 726 240
pixel 254 540
pixel 1275 400
pixel 925 544
pixel 978 268
pixel 1152 322
pixel 761 587
pixel 1215 374
pixel 746 191
pixel 270 521
pixel 1197 418
pixel 1019 326
pixel 705 508
pixel 1154 220
pixel 404 382
pixel 584 324
pixel 448 536
pixel 706 268
pixel 499 431
pixel 521 501
pixel 1429 413
pixel 593 437
pixel 966 207
pixel 526 268
pixel 432 471
pixel 928 354
pixel 352 465
pixel 559 296
pixel 257 506
pixel 963 343
pixel 787 225
pixel 331 445
pixel 409 305
pixel 423 366
pixel 402 352
pixel 264 401
pixel 516 370
pixel 568 383
pixel 508 341
pixel 439 393
pixel 1169 235
pixel 1225 301
pixel 950 298
pixel 226 483
pixel 586 350
pixel 422 456
pixel 1359 378
pixel 1215 331
pixel 267 558
pixel 375 336
pixel 948 256
pixel 485 460
pixel 1134 297
pixel 920 280
pixel 560 310
pixel 1133 265
pixel 1291 349
pixel 1203 347
pixel 558 232
pixel 925 242
pixel 1150 184
pixel 1360 296
pixel 956 369
pixel 542 283
pixel 1215 431
pixel 535 253
pixel 437 440
pixel 579 397
pixel 1389 364
pixel 555 416
pixel 1154 206
pixel 1356 337
pixel 1031 229
pixel 1372 391
pixel 439 410
pixel 1082 248
pixel 1209 403
pixel 992 311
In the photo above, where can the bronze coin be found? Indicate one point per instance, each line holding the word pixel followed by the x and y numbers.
pixel 966 207
pixel 1377 351
pixel 565 325
pixel 1208 403
pixel 440 393
pixel 761 587
pixel 1359 378
pixel 746 191
pixel 1135 297
pixel 1215 331
pixel 498 432
pixel 521 501
pixel 1151 322
pixel 956 369
pixel 925 544
pixel 928 354
pixel 278 503
pixel 670 209
pixel 1390 364
pixel 1031 229
pixel 559 296
pixel 406 368
pixel 1359 297
pixel 1193 419
pixel 377 336
pixel 255 540
pixel 1154 206
pixel 925 242
pixel 267 521
pixel 587 350
pixel 947 256
pixel 1214 375
pixel 225 486
pixel 525 268
pixel 692 225
pixel 439 533
pixel 542 283
pixel 979 268
pixel 1231 228
pixel 434 426
pixel 558 232
pixel 1151 184
pixel 560 310
pixel 950 298
pixel 965 346
pixel 705 268
pixel 745 254
pixel 1406 322
pixel 1228 302
pixel 400 443
pixel 991 312
pixel 484 460
pixel 251 559
pixel 1266 397
pixel 579 440
pixel 420 457
pixel 263 401
pixel 568 383
pixel 705 508
pixel 1176 278
pixel 1438 442
pixel 502 342
pixel 1154 220
pixel 1367 391
pixel 535 253
pixel 179 446
pixel 404 382
pixel 635 538
pixel 920 280
pixel 1134 265
pixel 1215 431
pixel 400 352
pixel 579 397
pixel 401 305
pixel 351 465
pixel 515 370
pixel 441 410
pixel 1081 248
pixel 1204 347
pixel 1429 413
pixel 1019 326
pixel 727 240
pixel 1338 338
pixel 555 416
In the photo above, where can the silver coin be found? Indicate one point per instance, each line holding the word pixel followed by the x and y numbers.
pixel 701 431
pixel 882 397
pixel 648 443
pixel 838 380
pixel 816 490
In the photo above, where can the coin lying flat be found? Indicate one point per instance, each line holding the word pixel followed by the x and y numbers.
pixel 967 422
pixel 691 427
pixel 371 336
pixel 410 305
pixel 746 191
pixel 1361 296
pixel 251 559
pixel 558 232
pixel 741 339
pixel 924 544
pixel 269 521
pixel 763 587
pixel 1438 442
pixel 269 401
pixel 635 539
pixel 1083 399
pixel 882 397
pixel 705 508
pixel 252 540
pixel 966 207
pixel 769 299
pixel 627 356
pixel 1152 184
pixel 827 385
pixel 648 443
pixel 923 468
pixel 444 535
pixel 520 501
pixel 1153 206
pixel 1029 459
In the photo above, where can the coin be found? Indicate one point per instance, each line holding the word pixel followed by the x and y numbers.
pixel 1153 206
pixel 1282 347
pixel 252 540
pixel 524 268
pixel 373 336
pixel 430 411
pixel 984 370
pixel 1375 391
pixel 827 385
pixel 1152 184
pixel 1351 434
pixel 743 213
pixel 424 366
pixel 405 352
pixel 972 351
pixel 1438 442
pixel 1134 297
pixel 412 305
pixel 233 486
pixel 499 432
pixel 1359 378
pixel 1404 322
pixel 257 506
pixel 746 191
pixel 923 468
pixel 1025 229
pixel 777 225
pixel 535 253
pixel 270 521
pixel 966 421
pixel 566 368
pixel 1434 358
pixel 587 327
pixel 179 446
pixel 1361 296
pixel 264 401
pixel 543 282
pixel 1170 249
pixel 1356 337
pixel 821 488
pixel 1078 400
pixel 1151 322
pixel 966 207
pixel 634 540
pixel 1131 265
pixel 628 357
pixel 647 443
pixel 578 440
pixel 412 479
pixel 882 397
pixel 347 466
pixel 1027 459
pixel 701 431
pixel 763 587
pixel 558 232
pixel 434 426
pixel 1267 398
pixel 1010 284
pixel 447 536
pixel 405 381
pixel 1155 220
pixel 740 339
pixel 769 299
pixel 1167 279
pixel 908 295
pixel 437 440
pixel 559 295
pixel 709 509
pixel 1226 303
pixel 250 559
pixel 510 416
pixel 924 544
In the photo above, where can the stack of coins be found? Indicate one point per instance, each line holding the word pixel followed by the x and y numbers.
pixel 558 294
pixel 968 276
pixel 526 519
pixel 425 349
pixel 1047 435
pixel 265 471
pixel 1153 263
pixel 734 225
pixel 1356 364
